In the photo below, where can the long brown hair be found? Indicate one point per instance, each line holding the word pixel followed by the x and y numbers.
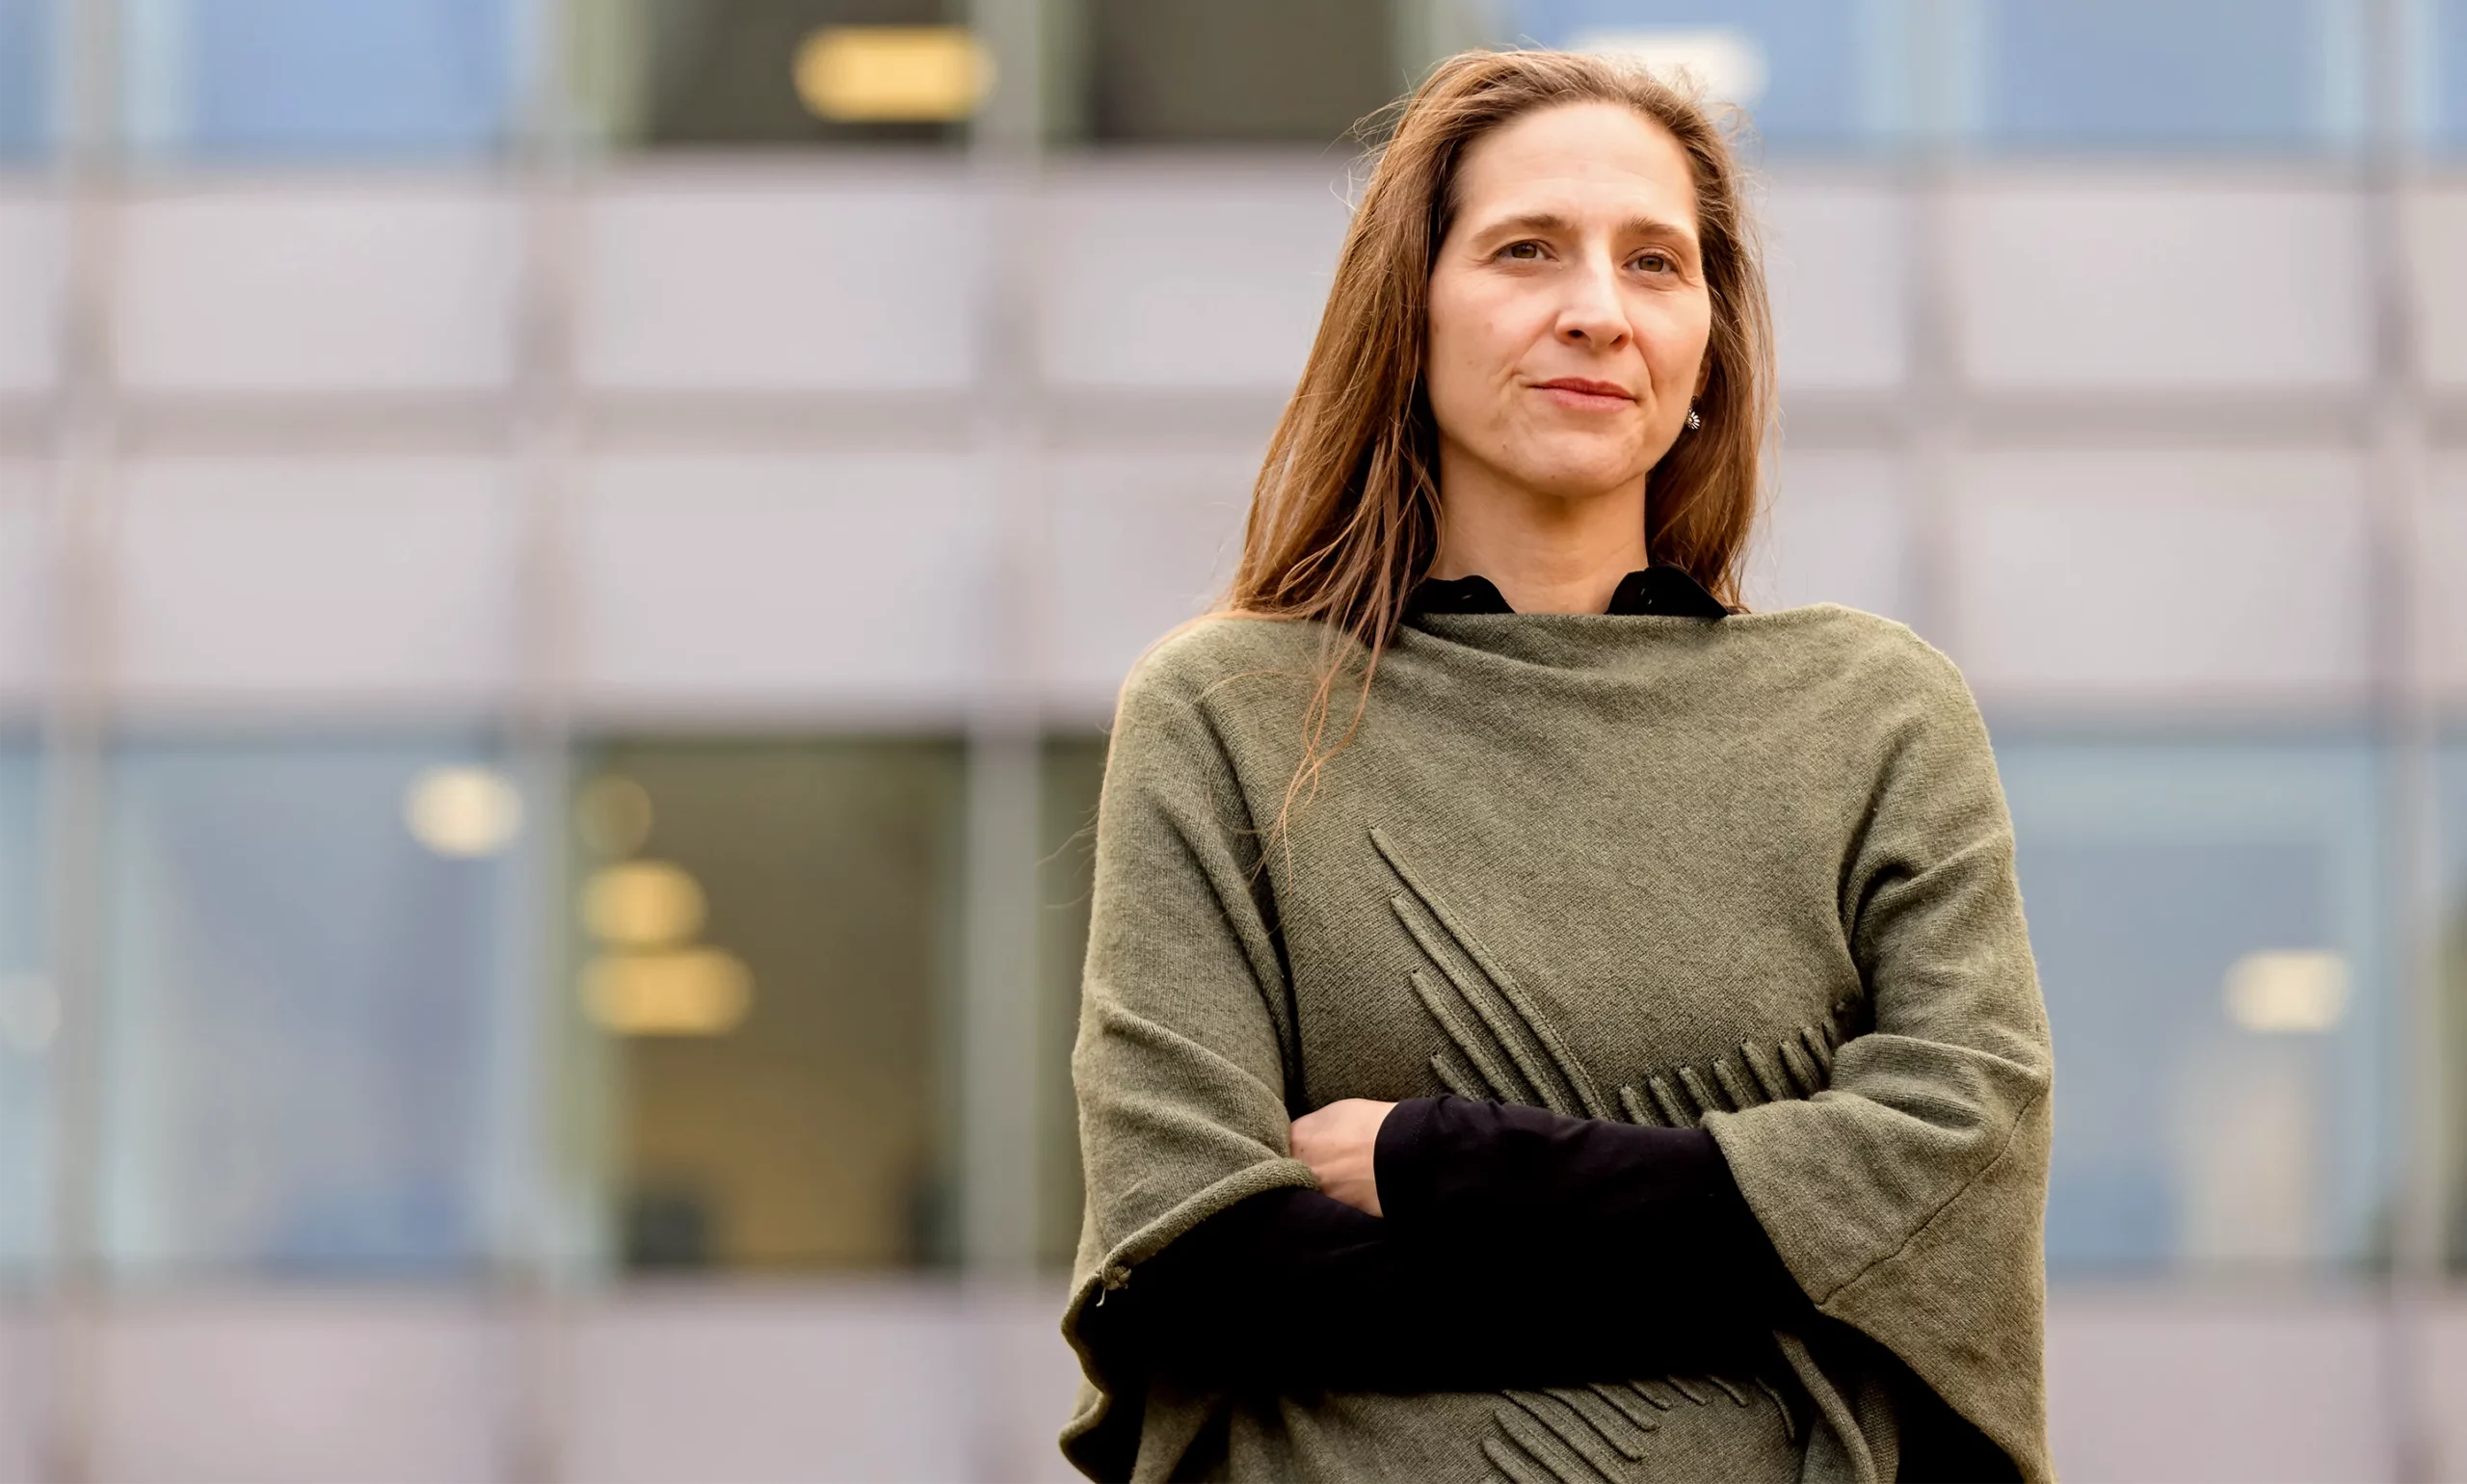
pixel 1344 518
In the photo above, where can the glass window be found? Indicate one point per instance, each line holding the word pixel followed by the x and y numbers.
pixel 2245 74
pixel 26 52
pixel 2208 926
pixel 316 78
pixel 2445 71
pixel 1204 71
pixel 766 961
pixel 310 975
pixel 1810 72
pixel 28 1017
pixel 778 71
pixel 1075 772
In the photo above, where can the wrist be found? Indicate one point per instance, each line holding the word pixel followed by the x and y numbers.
pixel 1400 1166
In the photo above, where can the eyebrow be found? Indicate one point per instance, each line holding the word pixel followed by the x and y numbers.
pixel 1553 221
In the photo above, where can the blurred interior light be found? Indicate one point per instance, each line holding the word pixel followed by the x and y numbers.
pixel 1728 64
pixel 686 991
pixel 2288 990
pixel 892 74
pixel 462 811
pixel 29 1011
pixel 612 815
pixel 642 904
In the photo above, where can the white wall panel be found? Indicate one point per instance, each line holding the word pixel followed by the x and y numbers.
pixel 2076 285
pixel 317 1389
pixel 880 1383
pixel 1836 531
pixel 772 583
pixel 1197 279
pixel 315 582
pixel 842 286
pixel 32 257
pixel 2445 1383
pixel 2181 577
pixel 1139 543
pixel 318 288
pixel 25 587
pixel 2440 268
pixel 2444 562
pixel 1837 260
pixel 2242 1388
pixel 22 1391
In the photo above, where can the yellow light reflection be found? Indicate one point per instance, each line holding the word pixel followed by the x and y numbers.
pixel 462 811
pixel 2287 992
pixel 686 991
pixel 892 74
pixel 642 904
pixel 612 815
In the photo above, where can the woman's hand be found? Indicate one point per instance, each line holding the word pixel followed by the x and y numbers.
pixel 1338 1143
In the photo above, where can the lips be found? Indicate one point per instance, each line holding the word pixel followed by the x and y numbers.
pixel 1589 388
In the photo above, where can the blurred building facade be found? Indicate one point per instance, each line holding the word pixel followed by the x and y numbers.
pixel 563 567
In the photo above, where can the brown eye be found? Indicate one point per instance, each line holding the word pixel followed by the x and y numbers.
pixel 1656 262
pixel 1522 251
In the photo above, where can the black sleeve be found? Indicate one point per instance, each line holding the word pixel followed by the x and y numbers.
pixel 1520 1248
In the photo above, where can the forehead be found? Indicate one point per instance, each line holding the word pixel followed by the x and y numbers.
pixel 1581 161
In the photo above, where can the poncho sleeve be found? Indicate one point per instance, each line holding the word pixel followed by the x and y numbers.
pixel 1908 1198
pixel 1179 1063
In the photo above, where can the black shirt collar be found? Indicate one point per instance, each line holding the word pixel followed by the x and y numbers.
pixel 1660 590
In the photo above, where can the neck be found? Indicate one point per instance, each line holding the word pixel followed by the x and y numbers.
pixel 1546 552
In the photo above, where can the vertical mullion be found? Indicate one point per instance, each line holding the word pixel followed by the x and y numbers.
pixel 2406 704
pixel 85 452
pixel 1938 390
pixel 533 1322
pixel 996 1063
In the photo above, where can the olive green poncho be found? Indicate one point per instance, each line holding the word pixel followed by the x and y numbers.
pixel 1753 873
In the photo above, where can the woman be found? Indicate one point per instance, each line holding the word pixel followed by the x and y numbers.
pixel 1540 1022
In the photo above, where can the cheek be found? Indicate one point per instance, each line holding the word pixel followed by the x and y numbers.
pixel 1456 366
pixel 1676 351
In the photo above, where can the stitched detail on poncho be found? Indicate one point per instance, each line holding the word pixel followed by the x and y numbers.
pixel 1589 1435
pixel 1502 1048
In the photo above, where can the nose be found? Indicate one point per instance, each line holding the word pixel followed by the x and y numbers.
pixel 1592 315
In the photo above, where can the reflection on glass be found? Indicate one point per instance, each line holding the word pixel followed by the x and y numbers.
pixel 26 50
pixel 1073 773
pixel 2444 60
pixel 765 944
pixel 28 1017
pixel 2207 920
pixel 1204 71
pixel 776 71
pixel 298 78
pixel 1810 72
pixel 2190 73
pixel 306 1065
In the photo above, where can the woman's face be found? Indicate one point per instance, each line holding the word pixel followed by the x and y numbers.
pixel 1568 311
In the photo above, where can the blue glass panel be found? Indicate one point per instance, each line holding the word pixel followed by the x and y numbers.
pixel 1828 64
pixel 29 1016
pixel 310 78
pixel 2200 73
pixel 2210 931
pixel 26 54
pixel 305 1064
pixel 2446 70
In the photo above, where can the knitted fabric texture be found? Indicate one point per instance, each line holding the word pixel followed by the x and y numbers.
pixel 1754 875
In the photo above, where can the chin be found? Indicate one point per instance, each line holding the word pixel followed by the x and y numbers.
pixel 1579 477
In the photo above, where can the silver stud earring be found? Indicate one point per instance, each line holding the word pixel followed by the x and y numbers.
pixel 1694 422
